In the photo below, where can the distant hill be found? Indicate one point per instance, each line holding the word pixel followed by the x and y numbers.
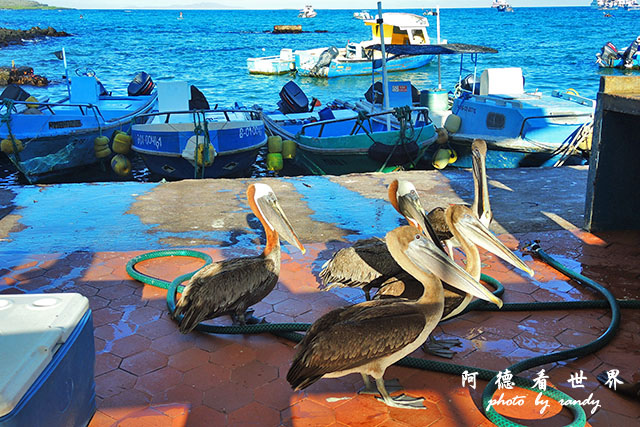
pixel 24 4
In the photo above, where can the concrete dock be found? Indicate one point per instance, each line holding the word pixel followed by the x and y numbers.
pixel 79 237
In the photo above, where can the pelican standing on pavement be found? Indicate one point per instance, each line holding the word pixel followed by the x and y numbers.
pixel 368 263
pixel 232 286
pixel 367 338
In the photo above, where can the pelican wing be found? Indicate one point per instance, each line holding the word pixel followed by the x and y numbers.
pixel 358 265
pixel 350 337
pixel 225 286
pixel 437 219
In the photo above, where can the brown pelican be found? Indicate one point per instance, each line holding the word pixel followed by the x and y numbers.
pixel 231 286
pixel 368 263
pixel 367 338
pixel 480 206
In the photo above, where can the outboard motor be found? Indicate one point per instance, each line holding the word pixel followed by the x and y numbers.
pixel 141 85
pixel 14 92
pixel 608 55
pixel 293 99
pixel 471 84
pixel 628 54
pixel 198 101
pixel 324 59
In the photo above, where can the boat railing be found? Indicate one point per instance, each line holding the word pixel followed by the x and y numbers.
pixel 253 114
pixel 424 111
pixel 552 116
pixel 574 98
pixel 83 108
pixel 496 100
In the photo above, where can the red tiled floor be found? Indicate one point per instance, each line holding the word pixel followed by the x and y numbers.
pixel 147 373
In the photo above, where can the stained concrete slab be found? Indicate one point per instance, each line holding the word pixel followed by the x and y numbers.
pixel 147 216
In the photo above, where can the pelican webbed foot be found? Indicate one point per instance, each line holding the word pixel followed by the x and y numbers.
pixel 402 401
pixel 441 348
pixel 391 386
pixel 246 318
pixel 628 389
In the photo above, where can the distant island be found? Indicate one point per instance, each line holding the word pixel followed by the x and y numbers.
pixel 24 4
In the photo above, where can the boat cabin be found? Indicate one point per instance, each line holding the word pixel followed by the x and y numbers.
pixel 401 28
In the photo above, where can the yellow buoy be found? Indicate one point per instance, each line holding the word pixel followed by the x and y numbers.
pixel 452 124
pixel 453 156
pixel 100 143
pixel 105 152
pixel 288 149
pixel 275 144
pixel 122 143
pixel 7 145
pixel 274 161
pixel 443 136
pixel 32 99
pixel 441 158
pixel 201 153
pixel 121 165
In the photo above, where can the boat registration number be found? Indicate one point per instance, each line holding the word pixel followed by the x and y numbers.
pixel 152 140
pixel 249 131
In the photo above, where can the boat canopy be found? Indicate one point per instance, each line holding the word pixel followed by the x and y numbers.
pixel 435 49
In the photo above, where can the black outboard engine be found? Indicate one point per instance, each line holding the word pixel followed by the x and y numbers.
pixel 293 99
pixel 324 59
pixel 141 85
pixel 470 84
pixel 630 53
pixel 198 101
pixel 14 92
pixel 608 55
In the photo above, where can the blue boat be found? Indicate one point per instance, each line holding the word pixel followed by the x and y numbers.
pixel 359 59
pixel 45 139
pixel 340 139
pixel 520 128
pixel 183 140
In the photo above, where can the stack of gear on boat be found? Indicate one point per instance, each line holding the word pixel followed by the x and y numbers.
pixel 609 54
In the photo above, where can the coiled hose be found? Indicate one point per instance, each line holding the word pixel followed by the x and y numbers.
pixel 289 330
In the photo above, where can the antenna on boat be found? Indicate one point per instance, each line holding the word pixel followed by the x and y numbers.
pixel 385 82
pixel 66 72
pixel 438 39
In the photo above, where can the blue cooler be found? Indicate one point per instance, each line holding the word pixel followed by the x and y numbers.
pixel 47 360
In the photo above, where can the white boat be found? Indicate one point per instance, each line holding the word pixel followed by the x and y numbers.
pixel 273 65
pixel 358 58
pixel 307 12
pixel 499 3
pixel 362 15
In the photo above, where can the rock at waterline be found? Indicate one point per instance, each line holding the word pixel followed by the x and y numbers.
pixel 9 36
pixel 21 76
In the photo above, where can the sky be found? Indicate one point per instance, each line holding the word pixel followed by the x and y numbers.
pixel 298 4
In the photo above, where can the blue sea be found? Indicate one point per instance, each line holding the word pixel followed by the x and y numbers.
pixel 555 47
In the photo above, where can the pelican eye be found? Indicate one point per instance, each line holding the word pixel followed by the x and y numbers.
pixel 418 237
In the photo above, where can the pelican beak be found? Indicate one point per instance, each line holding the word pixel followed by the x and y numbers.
pixel 480 235
pixel 427 257
pixel 410 206
pixel 274 215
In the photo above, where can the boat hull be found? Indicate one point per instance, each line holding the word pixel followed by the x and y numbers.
pixel 58 144
pixel 357 67
pixel 332 150
pixel 270 65
pixel 164 148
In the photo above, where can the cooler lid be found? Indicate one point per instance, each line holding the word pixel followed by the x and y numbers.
pixel 32 329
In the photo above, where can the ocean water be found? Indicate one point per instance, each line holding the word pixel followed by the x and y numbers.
pixel 555 47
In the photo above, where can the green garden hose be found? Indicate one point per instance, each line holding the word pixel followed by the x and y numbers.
pixel 288 330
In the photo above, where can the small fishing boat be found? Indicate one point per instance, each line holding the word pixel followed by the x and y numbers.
pixel 187 139
pixel 338 139
pixel 48 139
pixel 359 59
pixel 362 15
pixel 273 65
pixel 520 128
pixel 307 12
